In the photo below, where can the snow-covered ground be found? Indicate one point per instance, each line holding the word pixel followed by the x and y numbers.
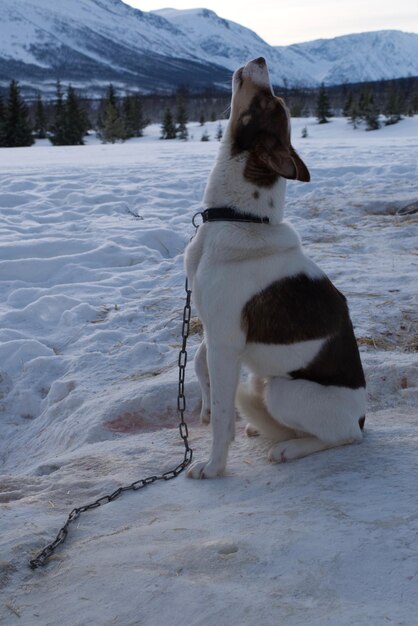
pixel 91 299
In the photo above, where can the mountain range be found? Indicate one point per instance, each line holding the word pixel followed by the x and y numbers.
pixel 93 42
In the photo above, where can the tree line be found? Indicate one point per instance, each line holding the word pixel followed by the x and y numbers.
pixel 67 118
pixel 367 108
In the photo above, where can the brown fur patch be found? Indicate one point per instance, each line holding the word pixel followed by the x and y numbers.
pixel 263 130
pixel 299 309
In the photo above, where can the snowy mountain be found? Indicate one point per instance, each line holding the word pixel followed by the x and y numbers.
pixel 94 42
pixel 358 58
pixel 228 44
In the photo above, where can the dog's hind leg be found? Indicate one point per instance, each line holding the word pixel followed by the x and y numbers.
pixel 202 373
pixel 250 404
pixel 329 416
pixel 298 448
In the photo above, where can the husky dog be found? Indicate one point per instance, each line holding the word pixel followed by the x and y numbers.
pixel 263 303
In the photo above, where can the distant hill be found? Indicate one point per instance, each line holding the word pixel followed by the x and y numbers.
pixel 379 55
pixel 93 42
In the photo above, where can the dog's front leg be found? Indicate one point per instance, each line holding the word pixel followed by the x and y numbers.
pixel 202 373
pixel 224 367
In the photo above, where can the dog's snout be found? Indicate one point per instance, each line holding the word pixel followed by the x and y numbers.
pixel 257 71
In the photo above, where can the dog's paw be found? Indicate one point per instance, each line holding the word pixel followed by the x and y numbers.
pixel 294 449
pixel 277 454
pixel 204 470
pixel 286 451
pixel 251 431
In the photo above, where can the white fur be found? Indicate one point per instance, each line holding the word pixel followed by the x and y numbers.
pixel 258 73
pixel 222 188
pixel 227 263
pixel 267 360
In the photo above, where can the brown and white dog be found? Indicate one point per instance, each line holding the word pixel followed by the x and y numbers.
pixel 263 303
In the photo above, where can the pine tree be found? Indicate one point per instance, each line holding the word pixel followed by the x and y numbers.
pixel 354 114
pixel 296 110
pixel 322 106
pixel 414 104
pixel 362 104
pixel 168 129
pixel 17 129
pixel 113 126
pixel 393 106
pixel 110 122
pixel 182 116
pixel 133 116
pixel 205 136
pixel 219 132
pixel 40 124
pixel 348 105
pixel 202 119
pixel 371 113
pixel 2 123
pixel 57 137
pixel 75 122
pixel 70 120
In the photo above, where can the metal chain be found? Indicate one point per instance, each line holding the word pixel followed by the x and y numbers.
pixel 43 556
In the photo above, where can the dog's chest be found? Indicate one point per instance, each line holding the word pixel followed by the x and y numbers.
pixel 228 268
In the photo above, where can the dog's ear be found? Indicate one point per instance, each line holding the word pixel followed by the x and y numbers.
pixel 268 159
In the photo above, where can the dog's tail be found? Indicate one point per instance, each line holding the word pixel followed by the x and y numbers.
pixel 251 407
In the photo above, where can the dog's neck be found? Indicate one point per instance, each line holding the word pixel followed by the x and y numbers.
pixel 227 187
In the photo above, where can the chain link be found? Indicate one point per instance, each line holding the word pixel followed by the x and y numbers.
pixel 43 556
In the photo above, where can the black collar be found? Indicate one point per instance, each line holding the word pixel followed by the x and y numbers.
pixel 226 214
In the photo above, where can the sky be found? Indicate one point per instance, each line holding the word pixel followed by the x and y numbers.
pixel 282 22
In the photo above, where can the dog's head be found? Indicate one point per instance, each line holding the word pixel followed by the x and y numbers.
pixel 260 127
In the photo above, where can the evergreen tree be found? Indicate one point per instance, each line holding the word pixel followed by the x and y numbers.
pixel 362 104
pixel 111 124
pixel 57 137
pixel 296 110
pixel 40 124
pixel 393 106
pixel 168 129
pixel 414 104
pixel 322 106
pixel 205 136
pixel 182 116
pixel 75 121
pixel 219 132
pixel 70 120
pixel 370 113
pixel 202 119
pixel 354 114
pixel 17 129
pixel 348 105
pixel 133 116
pixel 2 123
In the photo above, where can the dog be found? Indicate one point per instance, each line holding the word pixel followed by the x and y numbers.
pixel 263 303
